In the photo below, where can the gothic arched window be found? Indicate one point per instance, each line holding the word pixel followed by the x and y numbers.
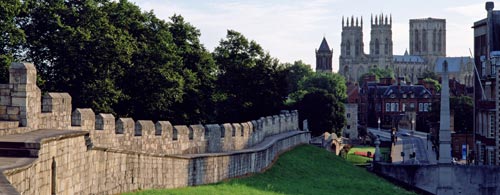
pixel 377 47
pixel 424 40
pixel 440 34
pixel 348 48
pixel 416 42
pixel 434 40
pixel 386 46
pixel 357 47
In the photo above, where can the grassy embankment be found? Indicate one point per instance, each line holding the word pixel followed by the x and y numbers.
pixel 356 159
pixel 303 170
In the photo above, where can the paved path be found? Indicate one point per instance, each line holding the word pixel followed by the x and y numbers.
pixel 408 144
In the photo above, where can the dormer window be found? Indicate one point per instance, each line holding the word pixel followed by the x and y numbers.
pixel 426 96
pixel 393 96
pixel 404 95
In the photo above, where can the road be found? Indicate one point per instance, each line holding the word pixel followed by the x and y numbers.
pixel 409 142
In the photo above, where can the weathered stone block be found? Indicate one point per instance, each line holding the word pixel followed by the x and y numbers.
pixel 12 110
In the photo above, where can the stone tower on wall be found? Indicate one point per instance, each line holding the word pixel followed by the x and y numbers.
pixel 381 40
pixel 428 38
pixel 324 57
pixel 351 47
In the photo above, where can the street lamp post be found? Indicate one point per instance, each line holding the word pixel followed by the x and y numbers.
pixel 412 123
pixel 378 123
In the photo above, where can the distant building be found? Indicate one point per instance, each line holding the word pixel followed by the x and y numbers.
pixel 324 57
pixel 427 48
pixel 394 104
pixel 351 128
pixel 486 94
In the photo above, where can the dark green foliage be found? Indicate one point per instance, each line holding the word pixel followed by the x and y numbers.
pixel 379 73
pixel 461 107
pixel 332 83
pixel 319 99
pixel 323 112
pixel 11 37
pixel 251 83
pixel 77 50
pixel 295 73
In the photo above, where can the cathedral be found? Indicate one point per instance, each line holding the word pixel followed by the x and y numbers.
pixel 427 48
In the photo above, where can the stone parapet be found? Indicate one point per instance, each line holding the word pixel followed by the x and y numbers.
pixel 82 170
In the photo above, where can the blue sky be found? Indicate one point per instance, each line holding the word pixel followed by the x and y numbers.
pixel 291 30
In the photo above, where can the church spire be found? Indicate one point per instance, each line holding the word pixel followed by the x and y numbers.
pixel 342 21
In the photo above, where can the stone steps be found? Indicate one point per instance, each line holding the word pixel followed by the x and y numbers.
pixel 18 152
pixel 19 149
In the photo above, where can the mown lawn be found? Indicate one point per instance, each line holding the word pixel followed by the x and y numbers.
pixel 303 170
pixel 355 159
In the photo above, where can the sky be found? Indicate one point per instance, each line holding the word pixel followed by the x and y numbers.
pixel 291 30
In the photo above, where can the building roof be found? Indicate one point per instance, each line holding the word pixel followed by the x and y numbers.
pixel 419 91
pixel 454 63
pixel 408 58
pixel 324 46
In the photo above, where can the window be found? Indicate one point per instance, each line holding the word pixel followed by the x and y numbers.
pixel 191 133
pixel 222 131
pixel 377 47
pixel 412 105
pixel 348 115
pixel 404 95
pixel 424 40
pixel 426 107
pixel 393 107
pixel 416 42
pixel 492 125
pixel 357 48
pixel 404 108
pixel 386 46
pixel 174 134
pixel 348 127
pixel 348 48
pixel 420 107
pixel 387 107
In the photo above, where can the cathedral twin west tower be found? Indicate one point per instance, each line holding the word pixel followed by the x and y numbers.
pixel 427 48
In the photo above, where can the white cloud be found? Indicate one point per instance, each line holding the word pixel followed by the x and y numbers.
pixel 473 10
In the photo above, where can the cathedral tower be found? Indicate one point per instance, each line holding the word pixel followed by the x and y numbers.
pixel 381 40
pixel 351 49
pixel 324 57
pixel 352 46
pixel 428 37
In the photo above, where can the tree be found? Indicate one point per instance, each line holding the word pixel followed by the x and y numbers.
pixel 295 73
pixel 323 112
pixel 72 42
pixel 330 82
pixel 461 107
pixel 198 70
pixel 250 82
pixel 378 73
pixel 11 36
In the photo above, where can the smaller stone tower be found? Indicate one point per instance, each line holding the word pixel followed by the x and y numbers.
pixel 381 40
pixel 324 57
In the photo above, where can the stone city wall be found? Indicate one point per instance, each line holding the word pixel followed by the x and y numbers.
pixel 75 167
pixel 108 155
pixel 460 179
pixel 163 137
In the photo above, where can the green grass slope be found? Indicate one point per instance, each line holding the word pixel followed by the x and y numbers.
pixel 303 170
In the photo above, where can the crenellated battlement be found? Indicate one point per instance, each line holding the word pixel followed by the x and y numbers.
pixel 23 109
pixel 98 153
